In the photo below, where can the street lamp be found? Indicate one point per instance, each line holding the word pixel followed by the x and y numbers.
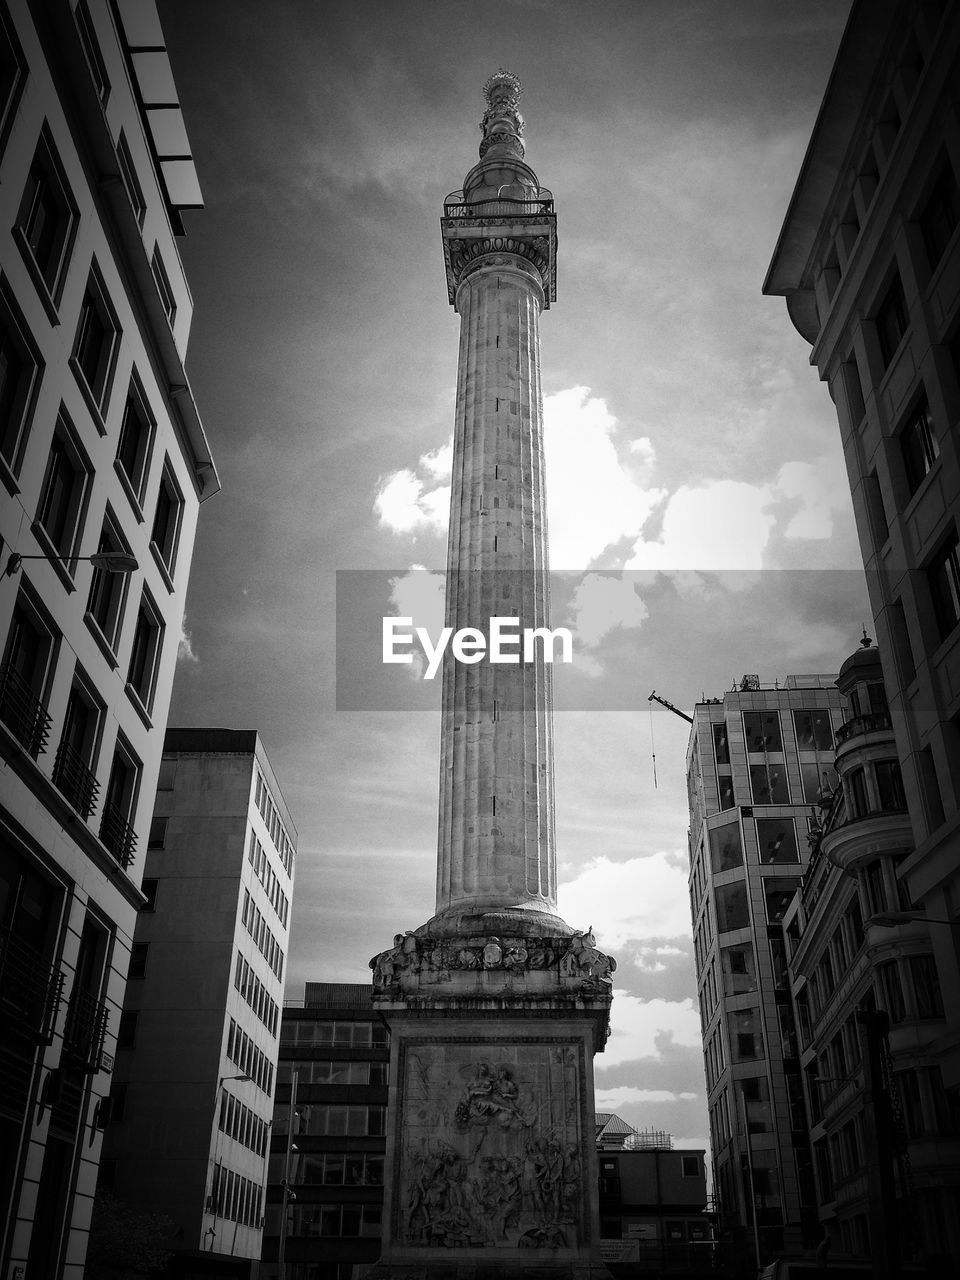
pixel 110 561
pixel 890 919
pixel 288 1195
pixel 215 1182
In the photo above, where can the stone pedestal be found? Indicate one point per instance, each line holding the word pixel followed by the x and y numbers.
pixel 491 1161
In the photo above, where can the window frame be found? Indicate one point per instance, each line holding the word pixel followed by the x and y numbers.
pixel 165 547
pixel 47 257
pixel 143 691
pixel 892 320
pixel 918 443
pixel 18 65
pixel 96 303
pixel 20 407
pixel 131 183
pixel 108 592
pixel 63 540
pixel 125 807
pixel 136 407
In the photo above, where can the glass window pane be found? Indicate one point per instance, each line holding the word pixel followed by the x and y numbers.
pixel 777 840
pixel 726 850
pixel 762 731
pixel 732 909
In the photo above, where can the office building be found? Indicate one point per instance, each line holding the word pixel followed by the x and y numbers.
pixel 653 1203
pixel 869 263
pixel 885 1132
pixel 757 761
pixel 103 465
pixel 332 1162
pixel 193 1091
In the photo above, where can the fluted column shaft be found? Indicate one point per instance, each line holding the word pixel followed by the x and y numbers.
pixel 496 838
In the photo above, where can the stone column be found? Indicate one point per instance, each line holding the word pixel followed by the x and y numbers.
pixel 496 841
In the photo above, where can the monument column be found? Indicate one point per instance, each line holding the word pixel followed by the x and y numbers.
pixel 496 1006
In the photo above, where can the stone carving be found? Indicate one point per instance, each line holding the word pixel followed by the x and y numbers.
pixel 577 959
pixel 492 1175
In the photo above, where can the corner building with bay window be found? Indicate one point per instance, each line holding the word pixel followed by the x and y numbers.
pixel 758 761
pixel 102 453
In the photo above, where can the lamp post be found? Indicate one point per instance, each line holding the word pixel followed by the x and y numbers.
pixel 891 919
pixel 288 1195
pixel 110 561
pixel 215 1182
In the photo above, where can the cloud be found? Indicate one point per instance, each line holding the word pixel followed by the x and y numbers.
pixel 603 602
pixel 651 959
pixel 404 504
pixel 632 900
pixel 623 1095
pixel 595 496
pixel 419 595
pixel 645 1028
pixel 185 649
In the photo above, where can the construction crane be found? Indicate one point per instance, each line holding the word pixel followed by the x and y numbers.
pixel 655 697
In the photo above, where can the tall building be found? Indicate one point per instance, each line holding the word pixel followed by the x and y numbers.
pixel 192 1099
pixel 757 762
pixel 332 1162
pixel 496 1006
pixel 869 262
pixel 103 465
pixel 885 1132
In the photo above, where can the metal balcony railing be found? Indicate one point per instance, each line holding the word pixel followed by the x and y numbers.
pixel 75 779
pixel 117 834
pixel 22 711
pixel 85 1030
pixel 454 206
pixel 873 722
pixel 30 987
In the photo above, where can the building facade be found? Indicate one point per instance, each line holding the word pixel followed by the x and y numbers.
pixel 869 263
pixel 757 762
pixel 102 455
pixel 869 1011
pixel 333 1160
pixel 192 1099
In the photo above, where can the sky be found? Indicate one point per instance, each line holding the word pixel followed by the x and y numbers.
pixel 693 457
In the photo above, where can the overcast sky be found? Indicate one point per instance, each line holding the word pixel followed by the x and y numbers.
pixel 685 431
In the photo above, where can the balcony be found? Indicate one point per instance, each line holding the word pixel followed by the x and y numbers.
pixel 874 722
pixel 455 207
pixel 75 779
pixel 117 834
pixel 86 1028
pixel 30 987
pixel 22 711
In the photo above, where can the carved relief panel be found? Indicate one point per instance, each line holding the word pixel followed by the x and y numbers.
pixel 488 1153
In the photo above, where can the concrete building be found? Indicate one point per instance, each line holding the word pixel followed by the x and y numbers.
pixel 333 1161
pixel 103 465
pixel 200 1031
pixel 869 1010
pixel 653 1206
pixel 757 761
pixel 496 1006
pixel 869 262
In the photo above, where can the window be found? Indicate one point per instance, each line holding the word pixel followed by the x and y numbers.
pixel 63 495
pixel 856 793
pixel 119 805
pixel 918 443
pixel 162 281
pixel 145 655
pixel 128 175
pixel 27 662
pixel 732 909
pixel 721 746
pixel 891 320
pixel 745 1038
pixel 166 520
pixel 20 370
pixel 756 1100
pixel 939 218
pixel 127 1030
pixel 739 969
pixel 168 773
pixel 762 731
pixel 136 436
pixel 926 987
pixel 777 840
pixel 726 851
pixel 891 990
pixel 91 50
pixel 13 73
pixel 149 890
pixel 108 591
pixel 46 218
pixel 95 346
pixel 943 574
pixel 813 730
pixel 768 784
pixel 817 781
pixel 138 960
pixel 158 833
pixel 890 785
pixel 73 766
